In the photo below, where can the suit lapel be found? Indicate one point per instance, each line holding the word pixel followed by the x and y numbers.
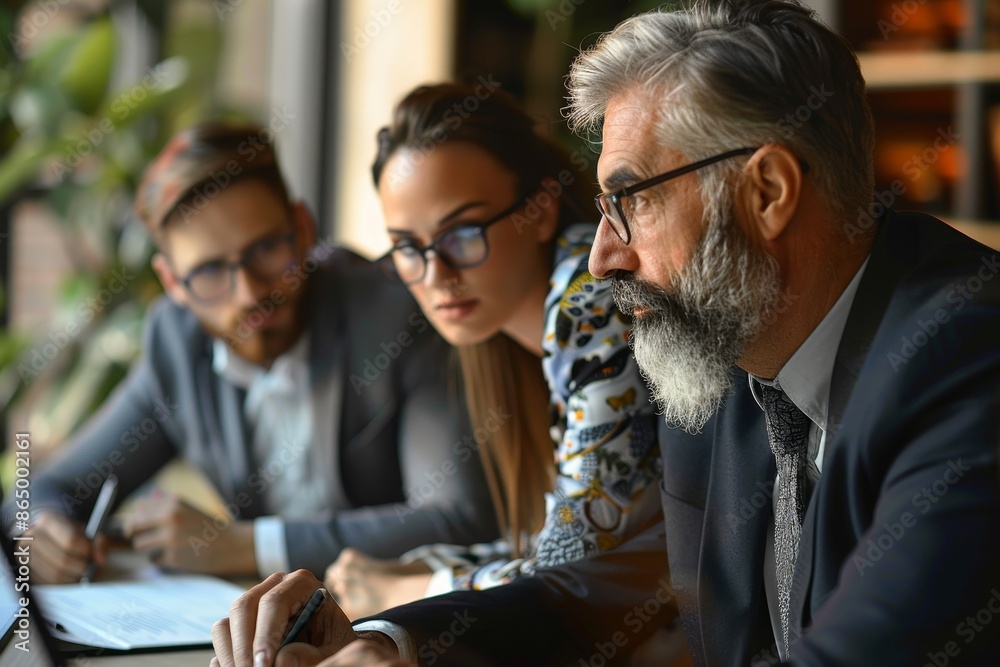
pixel 889 261
pixel 327 349
pixel 238 444
pixel 739 504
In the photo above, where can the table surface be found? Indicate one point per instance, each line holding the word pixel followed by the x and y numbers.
pixel 122 565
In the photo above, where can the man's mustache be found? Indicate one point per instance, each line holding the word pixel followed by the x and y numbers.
pixel 631 293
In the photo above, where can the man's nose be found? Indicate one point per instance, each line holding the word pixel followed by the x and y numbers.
pixel 609 253
pixel 248 290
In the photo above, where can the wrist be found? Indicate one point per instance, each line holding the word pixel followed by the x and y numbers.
pixel 241 548
pixel 382 640
pixel 401 641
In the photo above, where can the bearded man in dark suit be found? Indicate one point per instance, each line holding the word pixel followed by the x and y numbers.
pixel 831 369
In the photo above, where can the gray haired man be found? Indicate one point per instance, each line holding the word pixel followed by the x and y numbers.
pixel 823 365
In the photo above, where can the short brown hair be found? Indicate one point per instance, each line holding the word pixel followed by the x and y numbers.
pixel 198 163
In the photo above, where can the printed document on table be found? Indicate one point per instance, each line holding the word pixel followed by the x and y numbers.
pixel 162 612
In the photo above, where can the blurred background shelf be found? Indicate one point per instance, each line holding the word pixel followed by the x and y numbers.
pixel 925 69
pixel 933 74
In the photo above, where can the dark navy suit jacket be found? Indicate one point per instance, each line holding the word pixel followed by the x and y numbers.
pixel 900 556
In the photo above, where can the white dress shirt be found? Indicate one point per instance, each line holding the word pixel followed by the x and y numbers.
pixel 805 379
pixel 291 475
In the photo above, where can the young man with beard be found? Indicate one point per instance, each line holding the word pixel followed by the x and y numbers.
pixel 306 386
pixel 832 495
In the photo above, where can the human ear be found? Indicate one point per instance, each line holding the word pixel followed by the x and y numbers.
pixel 770 191
pixel 304 225
pixel 171 285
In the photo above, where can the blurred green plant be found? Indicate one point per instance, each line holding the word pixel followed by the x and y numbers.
pixel 74 147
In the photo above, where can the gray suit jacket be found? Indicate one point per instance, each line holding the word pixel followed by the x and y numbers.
pixel 403 474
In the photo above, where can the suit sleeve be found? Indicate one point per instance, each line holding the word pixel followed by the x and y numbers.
pixel 922 583
pixel 127 437
pixel 596 609
pixel 444 494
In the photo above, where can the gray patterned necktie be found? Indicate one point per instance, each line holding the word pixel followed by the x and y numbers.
pixel 788 433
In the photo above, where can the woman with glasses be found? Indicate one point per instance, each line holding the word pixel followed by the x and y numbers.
pixel 486 221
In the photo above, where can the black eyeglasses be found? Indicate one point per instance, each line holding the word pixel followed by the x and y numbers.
pixel 265 260
pixel 610 205
pixel 461 247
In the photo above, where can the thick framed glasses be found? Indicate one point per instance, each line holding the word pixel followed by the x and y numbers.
pixel 613 207
pixel 461 247
pixel 265 260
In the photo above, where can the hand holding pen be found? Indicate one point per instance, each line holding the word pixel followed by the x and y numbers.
pixel 263 617
pixel 98 520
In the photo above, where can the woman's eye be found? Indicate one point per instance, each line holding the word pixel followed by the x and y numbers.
pixel 407 249
pixel 463 233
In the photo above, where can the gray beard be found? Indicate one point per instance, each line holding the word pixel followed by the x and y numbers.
pixel 687 343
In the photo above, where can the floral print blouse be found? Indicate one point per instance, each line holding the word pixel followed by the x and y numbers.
pixel 603 428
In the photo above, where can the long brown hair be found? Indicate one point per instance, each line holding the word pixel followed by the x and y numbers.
pixel 499 374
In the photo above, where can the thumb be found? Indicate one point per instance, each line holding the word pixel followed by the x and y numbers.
pixel 298 654
pixel 100 553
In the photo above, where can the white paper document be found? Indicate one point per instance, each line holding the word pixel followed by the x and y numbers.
pixel 126 615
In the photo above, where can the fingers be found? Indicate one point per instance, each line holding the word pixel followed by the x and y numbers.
pixel 63 533
pixel 161 528
pixel 260 618
pixel 330 576
pixel 279 605
pixel 242 624
pixel 363 653
pixel 298 654
pixel 61 553
pixel 153 540
pixel 222 642
pixel 99 550
pixel 150 513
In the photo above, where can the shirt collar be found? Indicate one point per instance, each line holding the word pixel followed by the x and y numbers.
pixel 242 373
pixel 805 377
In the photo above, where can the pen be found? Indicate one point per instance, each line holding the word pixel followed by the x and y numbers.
pixel 314 603
pixel 98 517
